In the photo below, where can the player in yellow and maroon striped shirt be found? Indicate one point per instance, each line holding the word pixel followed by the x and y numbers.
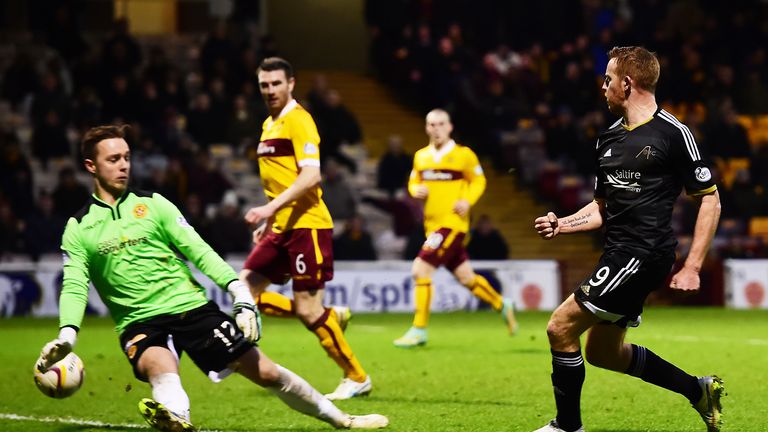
pixel 296 240
pixel 449 178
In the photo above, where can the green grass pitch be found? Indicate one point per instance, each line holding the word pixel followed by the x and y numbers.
pixel 470 377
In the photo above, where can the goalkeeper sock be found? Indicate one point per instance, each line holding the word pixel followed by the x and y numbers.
pixel 276 304
pixel 483 290
pixel 167 390
pixel 655 370
pixel 422 302
pixel 332 339
pixel 298 394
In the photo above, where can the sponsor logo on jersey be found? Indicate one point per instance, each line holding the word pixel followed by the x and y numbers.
pixel 647 152
pixel 265 148
pixel 703 174
pixel 140 211
pixel 438 175
pixel 625 179
pixel 608 153
pixel 310 148
pixel 115 246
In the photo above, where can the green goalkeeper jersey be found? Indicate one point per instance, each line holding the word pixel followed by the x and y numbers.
pixel 128 251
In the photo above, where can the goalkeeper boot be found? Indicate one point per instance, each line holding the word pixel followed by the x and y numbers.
pixel 163 419
pixel 508 314
pixel 709 406
pixel 412 338
pixel 370 421
pixel 552 426
pixel 350 388
pixel 343 315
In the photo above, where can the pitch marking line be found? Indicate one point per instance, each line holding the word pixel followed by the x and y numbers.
pixel 79 422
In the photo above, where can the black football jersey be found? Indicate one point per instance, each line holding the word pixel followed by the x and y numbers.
pixel 641 172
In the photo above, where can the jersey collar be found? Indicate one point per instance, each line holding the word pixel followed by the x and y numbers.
pixel 438 154
pixel 289 106
pixel 628 128
pixel 98 201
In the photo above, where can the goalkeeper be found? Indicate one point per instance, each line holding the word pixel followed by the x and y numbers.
pixel 123 241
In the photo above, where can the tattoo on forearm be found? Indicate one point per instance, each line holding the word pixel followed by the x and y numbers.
pixel 577 220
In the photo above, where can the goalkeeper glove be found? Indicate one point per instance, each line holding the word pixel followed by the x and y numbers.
pixel 246 313
pixel 57 349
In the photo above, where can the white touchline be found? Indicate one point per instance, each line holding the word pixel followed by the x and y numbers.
pixel 70 420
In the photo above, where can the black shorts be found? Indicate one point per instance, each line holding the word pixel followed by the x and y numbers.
pixel 620 283
pixel 210 337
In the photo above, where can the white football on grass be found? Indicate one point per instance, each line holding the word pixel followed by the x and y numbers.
pixel 62 379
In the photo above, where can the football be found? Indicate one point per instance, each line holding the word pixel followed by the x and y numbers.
pixel 62 379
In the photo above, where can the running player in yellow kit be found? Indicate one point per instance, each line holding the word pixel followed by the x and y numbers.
pixel 296 240
pixel 449 178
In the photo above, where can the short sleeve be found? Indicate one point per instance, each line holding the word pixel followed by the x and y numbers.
pixel 305 140
pixel 687 163
pixel 472 167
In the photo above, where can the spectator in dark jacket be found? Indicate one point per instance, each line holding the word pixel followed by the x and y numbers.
pixel 355 243
pixel 486 242
pixel 394 167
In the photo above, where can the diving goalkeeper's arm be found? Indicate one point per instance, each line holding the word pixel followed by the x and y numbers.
pixel 189 242
pixel 73 299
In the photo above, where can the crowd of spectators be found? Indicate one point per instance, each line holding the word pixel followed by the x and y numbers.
pixel 523 87
pixel 187 99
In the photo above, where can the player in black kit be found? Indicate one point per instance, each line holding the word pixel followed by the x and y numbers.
pixel 644 161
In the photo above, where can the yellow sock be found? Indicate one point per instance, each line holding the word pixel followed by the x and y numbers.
pixel 483 290
pixel 275 304
pixel 332 339
pixel 422 302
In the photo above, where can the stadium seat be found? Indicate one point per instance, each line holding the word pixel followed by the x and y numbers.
pixel 570 194
pixel 747 121
pixel 730 167
pixel 758 227
pixel 549 179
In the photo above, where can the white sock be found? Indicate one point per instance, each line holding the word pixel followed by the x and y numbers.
pixel 167 389
pixel 298 394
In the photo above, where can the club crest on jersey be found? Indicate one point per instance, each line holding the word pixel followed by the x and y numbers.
pixel 703 174
pixel 140 210
pixel 647 152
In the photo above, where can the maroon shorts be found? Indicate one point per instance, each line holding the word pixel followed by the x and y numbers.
pixel 444 247
pixel 303 254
